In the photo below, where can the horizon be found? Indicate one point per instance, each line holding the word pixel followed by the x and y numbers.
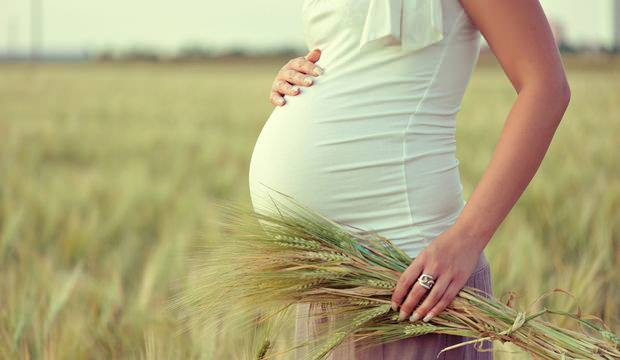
pixel 168 28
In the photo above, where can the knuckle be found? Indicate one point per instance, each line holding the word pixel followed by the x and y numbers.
pixel 296 79
pixel 415 267
pixel 433 270
pixel 407 307
pixel 415 264
pixel 422 309
pixel 294 75
pixel 411 302
pixel 275 98
pixel 398 289
pixel 299 78
pixel 433 297
pixel 435 267
pixel 404 282
pixel 459 278
pixel 450 295
pixel 456 291
pixel 398 295
pixel 291 64
pixel 283 85
pixel 423 295
pixel 440 306
pixel 298 62
pixel 422 257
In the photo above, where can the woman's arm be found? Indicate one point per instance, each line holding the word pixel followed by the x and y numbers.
pixel 520 36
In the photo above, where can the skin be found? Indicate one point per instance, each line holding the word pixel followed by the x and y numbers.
pixel 297 72
pixel 519 35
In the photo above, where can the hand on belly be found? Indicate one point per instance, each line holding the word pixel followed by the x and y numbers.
pixel 295 73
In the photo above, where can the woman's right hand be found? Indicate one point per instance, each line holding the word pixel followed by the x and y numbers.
pixel 297 72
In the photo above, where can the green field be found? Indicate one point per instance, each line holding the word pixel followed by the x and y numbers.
pixel 109 174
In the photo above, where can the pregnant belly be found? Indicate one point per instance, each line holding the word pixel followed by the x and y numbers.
pixel 362 162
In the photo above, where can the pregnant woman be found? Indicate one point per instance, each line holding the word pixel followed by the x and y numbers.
pixel 365 134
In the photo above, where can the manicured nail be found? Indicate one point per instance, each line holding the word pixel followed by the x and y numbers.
pixel 402 316
pixel 414 317
pixel 295 89
pixel 308 80
pixel 394 306
pixel 428 317
pixel 319 71
pixel 281 101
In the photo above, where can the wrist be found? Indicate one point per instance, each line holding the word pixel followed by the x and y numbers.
pixel 472 236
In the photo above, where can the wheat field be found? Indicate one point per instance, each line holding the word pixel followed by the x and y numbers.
pixel 109 173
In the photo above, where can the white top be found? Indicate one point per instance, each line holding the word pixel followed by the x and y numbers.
pixel 411 24
pixel 372 143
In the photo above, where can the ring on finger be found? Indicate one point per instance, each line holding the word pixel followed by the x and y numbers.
pixel 426 281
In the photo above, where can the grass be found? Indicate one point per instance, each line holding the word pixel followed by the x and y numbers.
pixel 109 173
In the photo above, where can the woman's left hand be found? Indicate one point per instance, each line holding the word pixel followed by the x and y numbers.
pixel 450 259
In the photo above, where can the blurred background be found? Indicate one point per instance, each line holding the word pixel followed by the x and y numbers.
pixel 72 30
pixel 123 123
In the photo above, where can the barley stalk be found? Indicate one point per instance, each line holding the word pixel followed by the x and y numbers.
pixel 298 256
pixel 381 284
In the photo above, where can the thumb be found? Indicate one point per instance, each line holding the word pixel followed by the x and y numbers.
pixel 313 55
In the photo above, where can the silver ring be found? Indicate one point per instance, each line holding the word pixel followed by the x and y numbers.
pixel 426 281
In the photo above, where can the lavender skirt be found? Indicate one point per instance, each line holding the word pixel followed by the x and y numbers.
pixel 426 347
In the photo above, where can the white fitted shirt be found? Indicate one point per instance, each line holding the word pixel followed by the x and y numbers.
pixel 372 142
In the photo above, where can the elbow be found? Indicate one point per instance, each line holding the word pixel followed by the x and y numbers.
pixel 562 94
pixel 557 97
pixel 554 92
pixel 557 93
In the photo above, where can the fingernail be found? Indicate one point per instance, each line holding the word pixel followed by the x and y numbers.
pixel 295 89
pixel 414 317
pixel 319 71
pixel 281 101
pixel 394 306
pixel 402 316
pixel 428 317
pixel 308 80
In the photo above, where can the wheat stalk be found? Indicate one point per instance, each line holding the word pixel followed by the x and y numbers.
pixel 288 254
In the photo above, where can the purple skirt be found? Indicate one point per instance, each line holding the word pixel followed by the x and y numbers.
pixel 425 347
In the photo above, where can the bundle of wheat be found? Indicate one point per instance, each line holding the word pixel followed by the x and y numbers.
pixel 288 254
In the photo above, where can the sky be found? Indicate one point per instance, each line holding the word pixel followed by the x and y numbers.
pixel 167 25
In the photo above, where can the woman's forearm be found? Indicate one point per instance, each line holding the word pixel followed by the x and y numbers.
pixel 524 141
pixel 519 35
